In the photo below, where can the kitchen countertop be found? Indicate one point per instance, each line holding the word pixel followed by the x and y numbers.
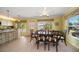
pixel 3 31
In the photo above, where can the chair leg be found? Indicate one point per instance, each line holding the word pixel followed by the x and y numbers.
pixel 37 43
pixel 44 46
pixel 30 39
pixel 37 46
pixel 56 47
pixel 54 44
pixel 61 40
pixel 48 46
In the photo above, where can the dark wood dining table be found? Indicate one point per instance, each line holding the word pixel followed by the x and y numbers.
pixel 46 33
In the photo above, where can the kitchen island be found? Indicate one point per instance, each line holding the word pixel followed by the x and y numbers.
pixel 8 35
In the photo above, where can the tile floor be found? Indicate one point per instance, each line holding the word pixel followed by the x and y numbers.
pixel 23 44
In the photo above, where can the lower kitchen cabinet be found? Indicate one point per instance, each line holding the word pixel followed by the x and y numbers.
pixel 8 35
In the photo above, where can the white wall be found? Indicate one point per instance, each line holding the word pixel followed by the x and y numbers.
pixel 6 23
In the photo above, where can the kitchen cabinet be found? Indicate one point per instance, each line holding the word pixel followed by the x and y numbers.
pixel 8 35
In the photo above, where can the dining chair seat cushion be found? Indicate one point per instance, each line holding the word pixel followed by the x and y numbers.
pixel 50 39
pixel 62 37
pixel 58 36
pixel 55 39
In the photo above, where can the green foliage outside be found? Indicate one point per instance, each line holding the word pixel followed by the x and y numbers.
pixel 48 26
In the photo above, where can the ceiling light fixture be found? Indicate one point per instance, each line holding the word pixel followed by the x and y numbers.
pixel 44 12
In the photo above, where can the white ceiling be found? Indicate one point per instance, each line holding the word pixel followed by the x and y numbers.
pixel 33 11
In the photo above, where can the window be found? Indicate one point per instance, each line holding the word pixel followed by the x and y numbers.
pixel 73 26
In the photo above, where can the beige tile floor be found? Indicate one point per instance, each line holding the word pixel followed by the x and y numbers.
pixel 23 45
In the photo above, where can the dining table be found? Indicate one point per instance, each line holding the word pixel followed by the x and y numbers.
pixel 48 36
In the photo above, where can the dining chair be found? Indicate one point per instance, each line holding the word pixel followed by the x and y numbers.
pixel 33 35
pixel 49 39
pixel 56 41
pixel 40 38
pixel 63 37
